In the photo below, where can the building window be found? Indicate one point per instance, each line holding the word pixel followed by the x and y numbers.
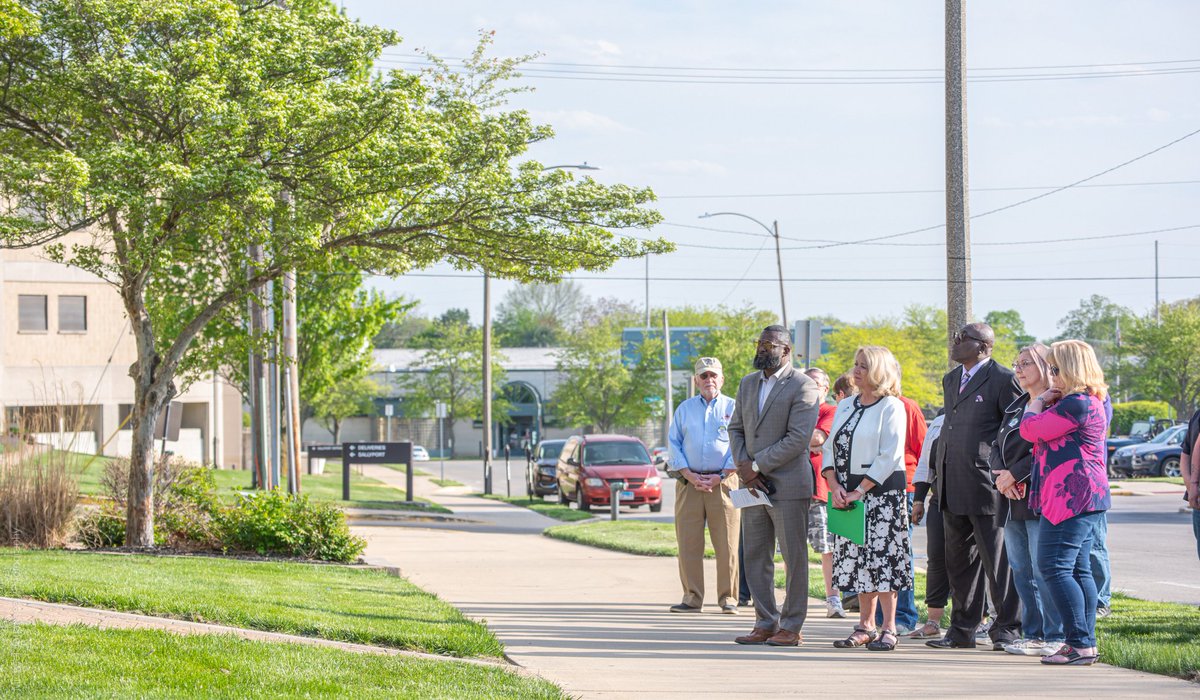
pixel 32 313
pixel 72 314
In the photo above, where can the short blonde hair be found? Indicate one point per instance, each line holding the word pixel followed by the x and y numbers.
pixel 883 370
pixel 1078 368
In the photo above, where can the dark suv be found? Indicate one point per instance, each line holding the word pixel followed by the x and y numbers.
pixel 541 478
pixel 590 464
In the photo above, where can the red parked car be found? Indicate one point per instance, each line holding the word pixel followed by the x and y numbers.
pixel 589 464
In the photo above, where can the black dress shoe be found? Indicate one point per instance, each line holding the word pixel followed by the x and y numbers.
pixel 948 643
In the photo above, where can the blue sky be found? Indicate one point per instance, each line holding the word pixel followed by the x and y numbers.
pixel 751 137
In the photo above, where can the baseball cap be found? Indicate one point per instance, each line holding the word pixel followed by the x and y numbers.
pixel 710 364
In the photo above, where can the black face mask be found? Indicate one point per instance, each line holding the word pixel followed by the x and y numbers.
pixel 767 361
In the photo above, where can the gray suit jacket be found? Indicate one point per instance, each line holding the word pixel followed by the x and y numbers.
pixel 778 437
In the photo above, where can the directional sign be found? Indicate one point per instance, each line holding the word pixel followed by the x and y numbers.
pixel 326 451
pixel 376 452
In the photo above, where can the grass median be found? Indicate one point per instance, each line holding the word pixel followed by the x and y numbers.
pixel 365 492
pixel 331 602
pixel 550 509
pixel 77 661
pixel 645 537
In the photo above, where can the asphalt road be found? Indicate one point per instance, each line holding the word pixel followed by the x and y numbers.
pixel 1150 541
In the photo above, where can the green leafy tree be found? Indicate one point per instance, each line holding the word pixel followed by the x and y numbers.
pixel 539 314
pixel 450 370
pixel 399 333
pixel 1101 323
pixel 1167 365
pixel 1009 328
pixel 156 143
pixel 597 390
pixel 918 341
pixel 730 338
pixel 350 397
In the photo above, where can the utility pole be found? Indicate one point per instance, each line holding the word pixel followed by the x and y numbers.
pixel 273 398
pixel 217 420
pixel 669 401
pixel 1157 302
pixel 487 383
pixel 779 264
pixel 291 372
pixel 958 232
pixel 647 292
pixel 257 396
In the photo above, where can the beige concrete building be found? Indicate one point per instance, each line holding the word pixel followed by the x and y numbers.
pixel 65 341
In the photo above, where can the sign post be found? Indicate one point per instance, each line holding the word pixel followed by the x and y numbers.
pixel 377 453
pixel 440 412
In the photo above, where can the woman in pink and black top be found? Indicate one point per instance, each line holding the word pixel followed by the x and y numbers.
pixel 1067 425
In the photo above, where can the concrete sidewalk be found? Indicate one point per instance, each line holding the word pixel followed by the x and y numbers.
pixel 596 622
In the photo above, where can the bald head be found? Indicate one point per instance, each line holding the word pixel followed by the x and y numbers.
pixel 973 344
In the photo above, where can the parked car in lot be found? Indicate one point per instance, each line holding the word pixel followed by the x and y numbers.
pixel 1141 431
pixel 541 474
pixel 420 454
pixel 590 464
pixel 1157 457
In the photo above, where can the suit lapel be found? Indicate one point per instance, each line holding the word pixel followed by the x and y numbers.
pixel 785 375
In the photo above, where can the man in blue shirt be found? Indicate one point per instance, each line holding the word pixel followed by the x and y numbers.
pixel 701 461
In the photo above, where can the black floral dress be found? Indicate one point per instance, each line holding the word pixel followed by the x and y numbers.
pixel 882 563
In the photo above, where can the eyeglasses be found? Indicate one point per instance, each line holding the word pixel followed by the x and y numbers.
pixel 1020 365
pixel 768 344
pixel 709 375
pixel 960 337
pixel 1054 370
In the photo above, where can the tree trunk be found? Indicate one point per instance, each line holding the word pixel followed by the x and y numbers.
pixel 337 432
pixel 149 399
pixel 449 434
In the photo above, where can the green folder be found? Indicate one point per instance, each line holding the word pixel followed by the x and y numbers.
pixel 850 523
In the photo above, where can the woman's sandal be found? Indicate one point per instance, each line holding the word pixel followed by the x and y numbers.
pixel 929 630
pixel 859 637
pixel 885 642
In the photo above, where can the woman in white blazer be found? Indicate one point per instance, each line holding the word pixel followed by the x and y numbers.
pixel 863 460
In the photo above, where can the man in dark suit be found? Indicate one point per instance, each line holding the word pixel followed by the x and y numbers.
pixel 973 510
pixel 769 436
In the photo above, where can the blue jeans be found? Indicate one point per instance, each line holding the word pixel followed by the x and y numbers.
pixel 1039 617
pixel 1101 569
pixel 906 599
pixel 1064 557
pixel 1196 528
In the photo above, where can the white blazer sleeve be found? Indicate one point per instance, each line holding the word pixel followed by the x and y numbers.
pixel 893 427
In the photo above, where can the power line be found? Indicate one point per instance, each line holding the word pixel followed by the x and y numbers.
pixel 822 280
pixel 866 193
pixel 1036 241
pixel 834 70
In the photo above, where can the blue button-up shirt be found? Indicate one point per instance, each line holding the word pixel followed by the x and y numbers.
pixel 699 435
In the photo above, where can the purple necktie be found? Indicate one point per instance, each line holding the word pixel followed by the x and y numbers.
pixel 965 378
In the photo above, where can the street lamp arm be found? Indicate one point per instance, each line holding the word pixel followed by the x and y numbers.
pixel 766 228
pixel 581 166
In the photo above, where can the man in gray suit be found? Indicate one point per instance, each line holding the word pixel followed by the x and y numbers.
pixel 769 436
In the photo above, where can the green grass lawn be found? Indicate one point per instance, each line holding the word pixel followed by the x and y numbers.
pixel 646 537
pixel 444 483
pixel 550 509
pixel 333 602
pixel 365 492
pixel 1150 636
pixel 77 661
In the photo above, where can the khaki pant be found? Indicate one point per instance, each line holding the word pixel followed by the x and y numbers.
pixel 694 508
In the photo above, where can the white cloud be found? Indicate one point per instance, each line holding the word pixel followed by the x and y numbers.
pixel 581 120
pixel 1155 114
pixel 689 166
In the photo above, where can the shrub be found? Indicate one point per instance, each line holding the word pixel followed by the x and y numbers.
pixel 273 522
pixel 37 498
pixel 101 528
pixel 187 517
pixel 1125 414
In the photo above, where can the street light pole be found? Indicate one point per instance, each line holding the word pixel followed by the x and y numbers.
pixel 958 223
pixel 772 231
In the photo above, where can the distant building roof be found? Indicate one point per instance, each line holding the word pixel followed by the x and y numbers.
pixel 515 359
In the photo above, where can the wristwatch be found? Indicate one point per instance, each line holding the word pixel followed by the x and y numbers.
pixel 754 467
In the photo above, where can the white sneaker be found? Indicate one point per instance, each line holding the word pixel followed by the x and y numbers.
pixel 1027 647
pixel 833 607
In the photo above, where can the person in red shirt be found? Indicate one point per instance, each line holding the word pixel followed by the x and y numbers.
pixel 818 515
pixel 907 616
